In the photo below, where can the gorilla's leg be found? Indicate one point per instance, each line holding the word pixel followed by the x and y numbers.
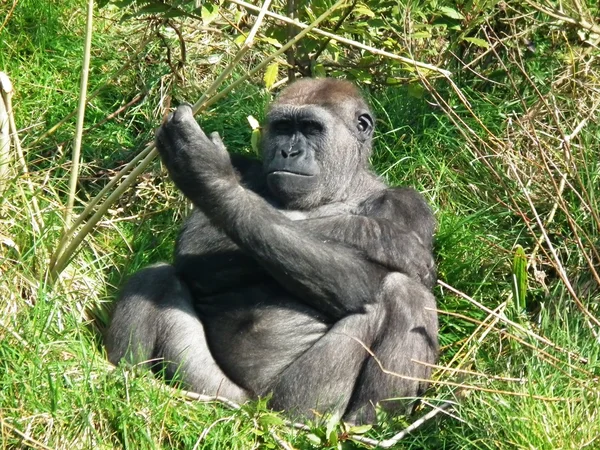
pixel 154 323
pixel 408 336
pixel 337 373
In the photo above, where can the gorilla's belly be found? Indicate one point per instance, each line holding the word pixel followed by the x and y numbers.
pixel 255 333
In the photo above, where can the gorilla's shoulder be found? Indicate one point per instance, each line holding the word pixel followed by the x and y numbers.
pixel 403 206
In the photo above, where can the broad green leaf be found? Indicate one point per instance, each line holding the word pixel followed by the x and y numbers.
pixel 451 12
pixel 271 75
pixel 421 35
pixel 270 419
pixel 153 9
pixel 360 429
pixel 313 438
pixel 209 13
pixel 274 42
pixel 319 71
pixel 416 90
pixel 240 40
pixel 478 42
pixel 364 11
pixel 331 429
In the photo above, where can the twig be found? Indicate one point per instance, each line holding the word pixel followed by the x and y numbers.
pixel 31 441
pixel 284 445
pixel 335 28
pixel 388 443
pixel 85 70
pixel 291 58
pixel 471 372
pixel 6 90
pixel 510 322
pixel 350 42
pixel 209 399
pixel 9 15
pixel 582 23
pixel 453 384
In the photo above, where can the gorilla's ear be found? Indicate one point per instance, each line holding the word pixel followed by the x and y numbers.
pixel 365 124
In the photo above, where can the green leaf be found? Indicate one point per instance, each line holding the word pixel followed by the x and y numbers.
pixel 271 75
pixel 331 429
pixel 209 13
pixel 416 90
pixel 364 11
pixel 274 42
pixel 421 35
pixel 478 42
pixel 255 141
pixel 314 439
pixel 451 12
pixel 520 278
pixel 270 419
pixel 239 40
pixel 153 9
pixel 360 429
pixel 319 71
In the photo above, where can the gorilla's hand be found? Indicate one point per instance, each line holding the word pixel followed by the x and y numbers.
pixel 197 164
pixel 417 261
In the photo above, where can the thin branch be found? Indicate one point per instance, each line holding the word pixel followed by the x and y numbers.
pixel 9 15
pixel 6 90
pixel 335 28
pixel 579 22
pixel 291 58
pixel 28 439
pixel 85 70
pixel 513 324
pixel 388 443
pixel 343 40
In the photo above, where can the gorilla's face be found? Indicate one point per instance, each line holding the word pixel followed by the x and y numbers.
pixel 311 152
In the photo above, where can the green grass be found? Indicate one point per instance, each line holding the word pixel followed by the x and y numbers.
pixel 57 389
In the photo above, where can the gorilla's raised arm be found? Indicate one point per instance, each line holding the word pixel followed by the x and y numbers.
pixel 337 275
pixel 331 276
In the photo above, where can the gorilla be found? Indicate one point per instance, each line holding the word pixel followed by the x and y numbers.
pixel 298 278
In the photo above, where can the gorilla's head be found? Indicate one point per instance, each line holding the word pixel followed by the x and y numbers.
pixel 317 142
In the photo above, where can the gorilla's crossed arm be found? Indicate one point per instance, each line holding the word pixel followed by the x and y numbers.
pixel 283 275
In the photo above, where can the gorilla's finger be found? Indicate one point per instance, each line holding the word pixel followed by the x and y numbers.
pixel 216 139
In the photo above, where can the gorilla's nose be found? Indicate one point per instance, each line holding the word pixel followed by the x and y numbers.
pixel 291 152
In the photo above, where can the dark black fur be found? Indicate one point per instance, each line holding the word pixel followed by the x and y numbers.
pixel 287 272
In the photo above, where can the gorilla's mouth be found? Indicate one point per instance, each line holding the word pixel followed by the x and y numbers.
pixel 289 172
pixel 289 186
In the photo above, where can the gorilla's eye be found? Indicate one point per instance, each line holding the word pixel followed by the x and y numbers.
pixel 311 127
pixel 282 127
pixel 365 123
